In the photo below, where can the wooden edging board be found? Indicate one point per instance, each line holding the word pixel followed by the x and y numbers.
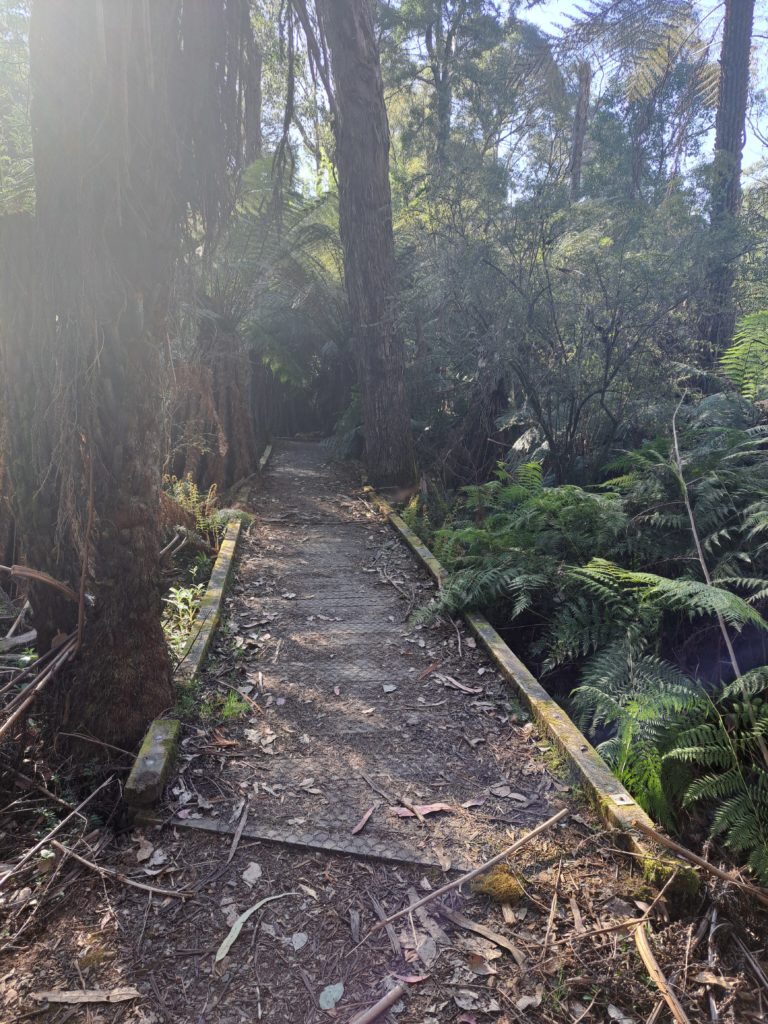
pixel 614 804
pixel 157 753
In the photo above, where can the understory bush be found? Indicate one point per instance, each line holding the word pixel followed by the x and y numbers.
pixel 645 594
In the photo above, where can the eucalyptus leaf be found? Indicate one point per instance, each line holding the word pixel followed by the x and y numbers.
pixel 330 995
pixel 237 927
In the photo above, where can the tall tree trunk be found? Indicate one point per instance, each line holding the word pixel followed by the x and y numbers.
pixel 365 212
pixel 580 122
pixel 719 317
pixel 137 114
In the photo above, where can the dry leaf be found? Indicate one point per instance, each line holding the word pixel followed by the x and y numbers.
pixel 453 684
pixel 404 812
pixel 330 995
pixel 362 823
pixel 252 873
pixel 237 927
pixel 145 850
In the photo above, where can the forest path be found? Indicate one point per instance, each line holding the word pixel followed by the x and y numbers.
pixel 354 710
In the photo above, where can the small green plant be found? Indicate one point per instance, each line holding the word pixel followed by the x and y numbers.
pixel 200 504
pixel 181 605
pixel 223 709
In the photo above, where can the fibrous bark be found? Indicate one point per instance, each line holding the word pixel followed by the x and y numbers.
pixel 580 122
pixel 365 213
pixel 137 118
pixel 215 442
pixel 719 318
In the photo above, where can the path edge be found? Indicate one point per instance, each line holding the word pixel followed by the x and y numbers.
pixel 158 750
pixel 617 808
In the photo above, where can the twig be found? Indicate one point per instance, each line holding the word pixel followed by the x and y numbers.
pixel 752 961
pixel 17 620
pixel 714 1013
pixel 164 551
pixel 414 809
pixel 657 976
pixel 391 933
pixel 98 743
pixel 759 894
pixel 458 636
pixel 552 910
pixel 383 1004
pixel 517 845
pixel 377 789
pixel 86 545
pixel 630 922
pixel 238 833
pixel 118 875
pixel 47 838
pixel 8 643
pixel 32 690
pixel 41 789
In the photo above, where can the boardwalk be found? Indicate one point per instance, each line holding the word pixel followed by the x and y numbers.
pixel 353 716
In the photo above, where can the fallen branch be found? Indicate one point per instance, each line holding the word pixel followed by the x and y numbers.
pixel 118 875
pixel 47 838
pixel 88 995
pixel 759 894
pixel 517 845
pixel 22 571
pixel 9 642
pixel 383 1004
pixel 657 976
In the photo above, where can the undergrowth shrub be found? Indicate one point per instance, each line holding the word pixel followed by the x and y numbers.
pixel 614 584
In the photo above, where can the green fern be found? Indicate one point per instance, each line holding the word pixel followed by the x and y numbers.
pixel 746 361
pixel 645 701
pixel 728 754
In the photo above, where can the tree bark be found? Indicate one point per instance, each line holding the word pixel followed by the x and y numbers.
pixel 580 122
pixel 719 319
pixel 138 115
pixel 365 213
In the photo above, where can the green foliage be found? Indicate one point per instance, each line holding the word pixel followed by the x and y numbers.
pixel 746 361
pixel 224 709
pixel 209 521
pixel 729 753
pixel 572 566
pixel 181 604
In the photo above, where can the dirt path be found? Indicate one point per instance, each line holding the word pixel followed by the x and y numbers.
pixel 355 711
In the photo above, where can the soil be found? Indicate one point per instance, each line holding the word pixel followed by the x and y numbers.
pixel 324 716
